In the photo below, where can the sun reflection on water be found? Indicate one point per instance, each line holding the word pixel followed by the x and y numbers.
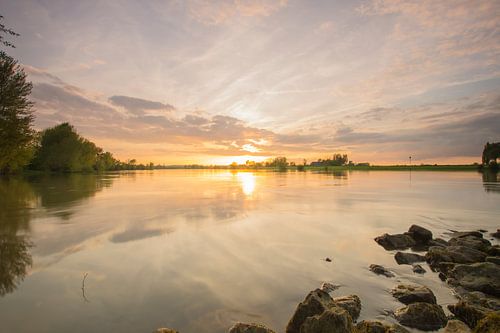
pixel 247 180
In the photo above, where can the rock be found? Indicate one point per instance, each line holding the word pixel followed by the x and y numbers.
pixel 410 293
pixel 494 251
pixel 380 270
pixel 335 320
pixel 458 234
pixel 489 324
pixel 496 234
pixel 495 260
pixel 456 326
pixel 456 254
pixel 469 313
pixel 351 303
pixel 315 303
pixel 328 259
pixel 249 328
pixel 420 234
pixel 481 299
pixel 438 242
pixel 477 243
pixel 418 269
pixel 424 316
pixel 395 242
pixel 405 258
pixel 376 326
pixel 165 330
pixel 445 267
pixel 329 287
pixel 484 276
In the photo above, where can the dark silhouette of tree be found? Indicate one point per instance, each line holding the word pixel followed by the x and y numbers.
pixel 14 261
pixel 6 31
pixel 491 152
pixel 16 116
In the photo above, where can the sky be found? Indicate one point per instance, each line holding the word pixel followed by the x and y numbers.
pixel 212 82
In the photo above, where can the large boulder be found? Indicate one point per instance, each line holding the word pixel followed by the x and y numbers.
pixel 489 324
pixel 405 258
pixel 494 251
pixel 395 242
pixel 456 254
pixel 381 270
pixel 437 242
pixel 376 326
pixel 456 326
pixel 410 293
pixel 351 303
pixel 335 320
pixel 473 242
pixel 424 316
pixel 468 312
pixel 249 328
pixel 495 260
pixel 420 234
pixel 315 303
pixel 483 276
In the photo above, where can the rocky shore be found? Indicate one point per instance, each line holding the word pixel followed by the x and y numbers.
pixel 467 262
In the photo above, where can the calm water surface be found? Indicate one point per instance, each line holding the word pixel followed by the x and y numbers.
pixel 199 250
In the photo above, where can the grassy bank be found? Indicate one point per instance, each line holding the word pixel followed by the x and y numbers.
pixel 468 167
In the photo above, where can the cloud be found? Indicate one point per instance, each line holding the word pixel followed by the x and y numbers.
pixel 222 11
pixel 138 106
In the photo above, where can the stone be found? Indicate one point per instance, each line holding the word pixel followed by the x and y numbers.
pixel 420 234
pixel 418 269
pixel 335 320
pixel 495 260
pixel 456 254
pixel 405 258
pixel 489 324
pixel 424 316
pixel 457 234
pixel 410 293
pixel 477 243
pixel 329 287
pixel 484 276
pixel 315 303
pixel 437 242
pixel 249 328
pixel 165 330
pixel 496 234
pixel 456 326
pixel 381 270
pixel 494 251
pixel 468 312
pixel 377 326
pixel 351 303
pixel 395 242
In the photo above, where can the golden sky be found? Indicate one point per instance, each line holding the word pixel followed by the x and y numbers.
pixel 212 82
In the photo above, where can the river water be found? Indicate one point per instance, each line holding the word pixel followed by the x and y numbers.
pixel 197 250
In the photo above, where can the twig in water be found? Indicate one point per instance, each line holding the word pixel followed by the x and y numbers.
pixel 83 288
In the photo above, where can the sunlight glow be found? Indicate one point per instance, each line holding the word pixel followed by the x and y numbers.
pixel 247 180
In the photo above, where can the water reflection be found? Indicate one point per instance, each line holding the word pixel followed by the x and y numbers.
pixel 491 181
pixel 247 180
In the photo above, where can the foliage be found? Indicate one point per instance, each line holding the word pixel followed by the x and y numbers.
pixel 491 152
pixel 16 115
pixel 6 31
pixel 279 163
pixel 337 160
pixel 62 149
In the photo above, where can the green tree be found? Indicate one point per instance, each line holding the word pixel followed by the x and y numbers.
pixel 63 149
pixel 16 115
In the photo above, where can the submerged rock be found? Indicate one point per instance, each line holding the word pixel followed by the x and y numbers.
pixel 489 324
pixel 456 326
pixel 329 287
pixel 405 258
pixel 407 294
pixel 424 316
pixel 418 269
pixel 315 303
pixel 395 242
pixel 420 234
pixel 249 328
pixel 335 320
pixel 376 326
pixel 351 303
pixel 456 254
pixel 458 234
pixel 381 270
pixel 484 276
pixel 472 242
pixel 165 330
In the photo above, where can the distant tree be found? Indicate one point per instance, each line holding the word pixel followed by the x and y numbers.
pixel 63 149
pixel 491 152
pixel 105 161
pixel 6 31
pixel 279 163
pixel 16 115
